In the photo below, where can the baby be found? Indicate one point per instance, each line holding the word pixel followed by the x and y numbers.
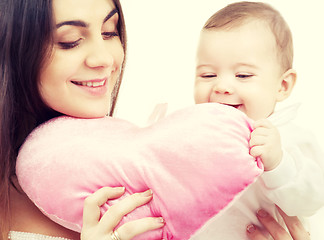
pixel 244 60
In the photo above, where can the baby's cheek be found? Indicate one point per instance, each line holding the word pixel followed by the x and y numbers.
pixel 201 94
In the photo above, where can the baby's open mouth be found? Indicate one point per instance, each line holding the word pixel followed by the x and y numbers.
pixel 233 105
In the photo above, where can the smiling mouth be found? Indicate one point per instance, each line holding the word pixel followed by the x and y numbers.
pixel 90 83
pixel 232 105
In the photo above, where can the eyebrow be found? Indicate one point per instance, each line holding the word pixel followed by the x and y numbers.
pixel 79 23
pixel 204 65
pixel 76 23
pixel 236 65
pixel 112 13
pixel 246 65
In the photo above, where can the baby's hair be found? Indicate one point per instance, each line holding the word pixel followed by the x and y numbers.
pixel 237 14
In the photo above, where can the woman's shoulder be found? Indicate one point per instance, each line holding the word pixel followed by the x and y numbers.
pixel 29 223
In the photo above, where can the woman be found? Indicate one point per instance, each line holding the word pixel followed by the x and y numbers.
pixel 58 57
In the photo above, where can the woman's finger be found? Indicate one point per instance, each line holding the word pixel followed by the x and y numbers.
pixel 91 208
pixel 273 227
pixel 295 227
pixel 95 227
pixel 116 212
pixel 131 229
pixel 254 233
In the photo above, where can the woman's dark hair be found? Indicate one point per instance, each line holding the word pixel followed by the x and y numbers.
pixel 26 39
pixel 123 38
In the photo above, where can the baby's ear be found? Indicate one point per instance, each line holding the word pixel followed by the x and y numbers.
pixel 287 83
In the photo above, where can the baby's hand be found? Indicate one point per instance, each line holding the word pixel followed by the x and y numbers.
pixel 265 143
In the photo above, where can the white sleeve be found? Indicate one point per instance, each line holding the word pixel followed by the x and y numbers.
pixel 297 184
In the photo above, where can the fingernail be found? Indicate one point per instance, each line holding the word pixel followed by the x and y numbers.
pixel 147 193
pixel 160 220
pixel 250 228
pixel 262 213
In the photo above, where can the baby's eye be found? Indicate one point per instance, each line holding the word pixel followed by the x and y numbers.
pixel 243 75
pixel 209 75
pixel 109 35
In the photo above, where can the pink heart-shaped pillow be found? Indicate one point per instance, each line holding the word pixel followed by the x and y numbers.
pixel 196 161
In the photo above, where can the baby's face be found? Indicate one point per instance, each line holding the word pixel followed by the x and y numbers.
pixel 239 67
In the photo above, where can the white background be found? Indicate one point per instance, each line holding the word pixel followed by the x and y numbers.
pixel 162 40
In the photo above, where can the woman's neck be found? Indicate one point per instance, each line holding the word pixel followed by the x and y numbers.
pixel 26 217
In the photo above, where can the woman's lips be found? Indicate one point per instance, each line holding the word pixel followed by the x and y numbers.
pixel 91 83
pixel 95 87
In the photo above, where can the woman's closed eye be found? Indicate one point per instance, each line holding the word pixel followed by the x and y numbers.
pixel 73 44
pixel 109 35
pixel 69 44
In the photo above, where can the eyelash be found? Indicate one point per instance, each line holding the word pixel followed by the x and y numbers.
pixel 70 45
pixel 209 76
pixel 241 76
pixel 109 35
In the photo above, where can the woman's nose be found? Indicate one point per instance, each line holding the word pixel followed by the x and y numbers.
pixel 99 55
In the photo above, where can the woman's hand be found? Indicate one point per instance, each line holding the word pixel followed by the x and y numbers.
pixel 98 228
pixel 295 227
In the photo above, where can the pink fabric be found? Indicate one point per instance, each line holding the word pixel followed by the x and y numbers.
pixel 196 161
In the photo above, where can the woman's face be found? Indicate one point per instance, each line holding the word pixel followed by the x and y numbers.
pixel 79 77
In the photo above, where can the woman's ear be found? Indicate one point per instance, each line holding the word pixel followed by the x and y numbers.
pixel 287 83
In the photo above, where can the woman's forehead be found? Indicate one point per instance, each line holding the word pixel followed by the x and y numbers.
pixel 87 10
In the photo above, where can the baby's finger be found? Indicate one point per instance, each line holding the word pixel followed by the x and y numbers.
pixel 117 211
pixel 91 209
pixel 257 140
pixel 131 229
pixel 260 131
pixel 256 151
pixel 263 123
